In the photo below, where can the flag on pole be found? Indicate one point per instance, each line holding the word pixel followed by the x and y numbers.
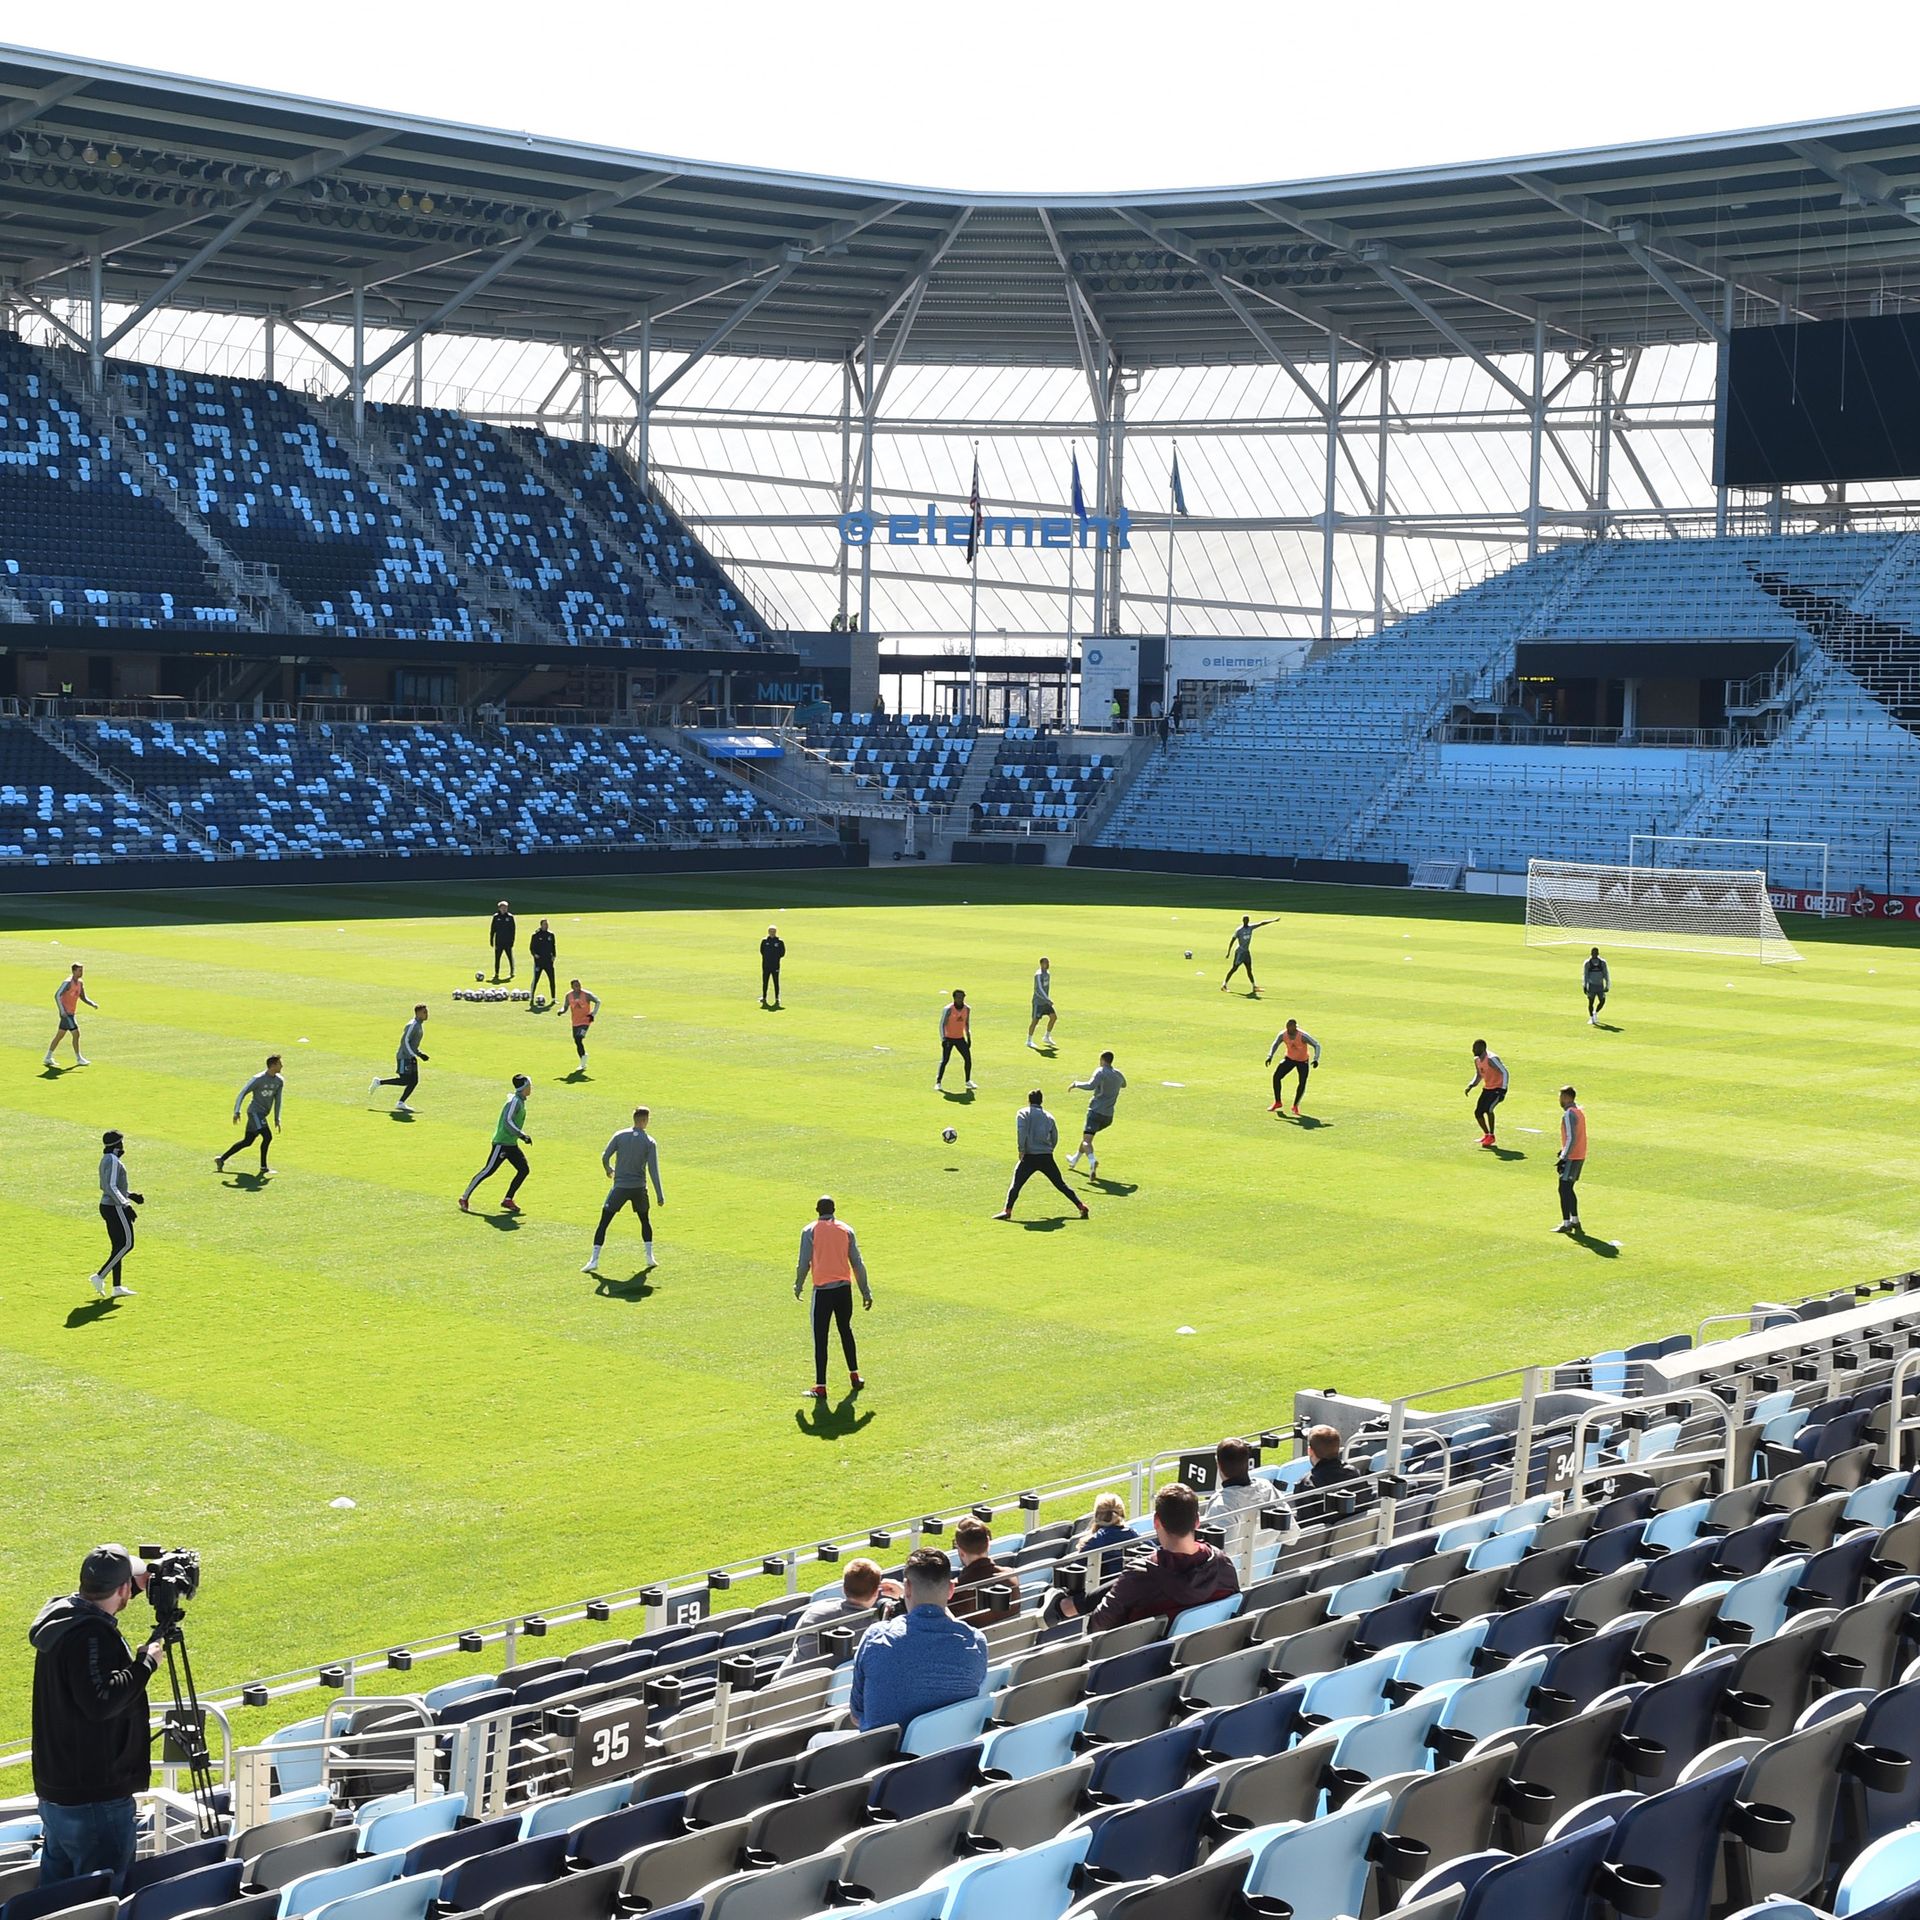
pixel 1179 497
pixel 976 524
pixel 1079 498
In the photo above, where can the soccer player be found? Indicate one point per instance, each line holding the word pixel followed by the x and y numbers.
pixel 1240 951
pixel 772 951
pixel 1106 1083
pixel 630 1158
pixel 956 1036
pixel 1595 981
pixel 509 1136
pixel 407 1062
pixel 117 1203
pixel 579 1006
pixel 68 998
pixel 830 1257
pixel 1573 1158
pixel 1303 1055
pixel 1042 1002
pixel 261 1096
pixel 500 933
pixel 1036 1135
pixel 543 948
pixel 1490 1076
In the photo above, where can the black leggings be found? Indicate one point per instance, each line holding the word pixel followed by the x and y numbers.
pixel 636 1197
pixel 833 1307
pixel 546 967
pixel 580 1041
pixel 1041 1163
pixel 1483 1108
pixel 1595 1001
pixel 948 1048
pixel 406 1082
pixel 118 1221
pixel 499 954
pixel 769 977
pixel 1280 1080
pixel 1245 960
pixel 500 1156
pixel 255 1131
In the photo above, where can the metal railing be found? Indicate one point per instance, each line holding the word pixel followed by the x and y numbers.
pixel 1502 733
pixel 1630 1413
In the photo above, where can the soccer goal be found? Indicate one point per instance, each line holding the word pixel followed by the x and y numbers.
pixel 1679 909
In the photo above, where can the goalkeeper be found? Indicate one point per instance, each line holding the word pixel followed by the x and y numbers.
pixel 1595 981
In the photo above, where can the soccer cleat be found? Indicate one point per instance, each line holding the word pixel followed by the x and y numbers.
pixel 1031 1043
pixel 1296 1106
pixel 646 1250
pixel 1275 1108
pixel 81 1060
pixel 856 1381
pixel 220 1163
pixel 1093 1167
pixel 816 1393
pixel 1565 1226
pixel 1574 1226
pixel 1593 1019
pixel 1486 1139
pixel 120 1292
pixel 373 1087
pixel 264 1168
pixel 509 1206
pixel 970 1086
pixel 1005 1213
pixel 1086 1212
pixel 400 1106
pixel 99 1284
pixel 49 1060
pixel 462 1203
pixel 593 1262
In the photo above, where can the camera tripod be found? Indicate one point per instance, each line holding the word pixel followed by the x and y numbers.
pixel 183 1728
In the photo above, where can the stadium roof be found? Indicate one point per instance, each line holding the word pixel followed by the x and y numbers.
pixel 229 199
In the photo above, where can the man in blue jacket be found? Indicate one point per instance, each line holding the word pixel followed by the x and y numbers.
pixel 923 1660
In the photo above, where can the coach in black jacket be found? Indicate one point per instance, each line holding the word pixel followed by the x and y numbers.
pixel 500 935
pixel 772 951
pixel 90 1742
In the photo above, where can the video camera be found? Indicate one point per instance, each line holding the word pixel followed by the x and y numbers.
pixel 173 1578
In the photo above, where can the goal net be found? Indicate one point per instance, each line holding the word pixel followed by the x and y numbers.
pixel 1680 909
pixel 1798 866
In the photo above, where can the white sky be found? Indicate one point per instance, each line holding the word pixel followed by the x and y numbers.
pixel 970 94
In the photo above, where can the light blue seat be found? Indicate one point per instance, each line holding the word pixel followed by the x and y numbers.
pixel 297 1770
pixel 1500 1550
pixel 448 1691
pixel 21 1832
pixel 925 1903
pixel 1318 1868
pixel 1880 1870
pixel 1358 1689
pixel 1038 1746
pixel 1677 1527
pixel 1759 1602
pixel 1370 1590
pixel 1288 1475
pixel 301 1800
pixel 313 1891
pixel 1778 1432
pixel 946 1727
pixel 557 1816
pixel 1524 1513
pixel 1035 1883
pixel 405 1899
pixel 1656 1441
pixel 1446 1656
pixel 1391 1742
pixel 406 1826
pixel 1873 1505
pixel 1494 1702
pixel 1465 1533
pixel 1209 1615
pixel 1770 1406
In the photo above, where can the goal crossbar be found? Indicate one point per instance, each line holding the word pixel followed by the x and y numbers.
pixel 1800 864
pixel 1716 910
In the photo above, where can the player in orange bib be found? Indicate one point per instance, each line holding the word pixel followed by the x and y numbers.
pixel 1302 1056
pixel 830 1258
pixel 1490 1078
pixel 1573 1159
pixel 579 1006
pixel 956 1036
pixel 68 998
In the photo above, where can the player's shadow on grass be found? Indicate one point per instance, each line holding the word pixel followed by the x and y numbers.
pixel 963 1098
pixel 639 1287
pixel 1607 1026
pixel 1117 1187
pixel 246 1183
pixel 1506 1153
pixel 823 1422
pixel 573 1078
pixel 1052 1225
pixel 1310 1122
pixel 406 1119
pixel 502 1222
pixel 1604 1248
pixel 52 1073
pixel 93 1310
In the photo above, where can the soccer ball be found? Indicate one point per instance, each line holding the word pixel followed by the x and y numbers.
pixel 479 976
pixel 1189 953
pixel 949 1135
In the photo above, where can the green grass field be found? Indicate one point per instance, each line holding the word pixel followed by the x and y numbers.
pixel 510 1436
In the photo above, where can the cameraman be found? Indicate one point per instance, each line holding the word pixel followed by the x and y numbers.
pixel 90 1741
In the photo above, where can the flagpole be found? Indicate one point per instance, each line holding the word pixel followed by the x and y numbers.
pixel 973 610
pixel 1073 522
pixel 1170 519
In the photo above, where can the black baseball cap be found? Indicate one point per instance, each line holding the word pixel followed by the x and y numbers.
pixel 109 1568
pixel 112 1138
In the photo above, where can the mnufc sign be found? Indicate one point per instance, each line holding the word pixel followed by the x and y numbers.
pixel 933 529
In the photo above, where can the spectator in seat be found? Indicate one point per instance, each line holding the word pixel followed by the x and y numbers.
pixel 862 1590
pixel 1330 1466
pixel 923 1660
pixel 973 1541
pixel 1239 1497
pixel 1109 1528
pixel 1177 1572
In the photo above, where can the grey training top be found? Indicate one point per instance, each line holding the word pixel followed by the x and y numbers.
pixel 261 1096
pixel 1105 1084
pixel 410 1041
pixel 1034 1128
pixel 632 1158
pixel 113 1179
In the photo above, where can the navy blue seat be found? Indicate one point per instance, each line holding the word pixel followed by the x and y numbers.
pixel 1152 1840
pixel 1752 1547
pixel 441 1852
pixel 170 1865
pixel 597 1843
pixel 1668 1844
pixel 57 1895
pixel 1671 1579
pixel 1672 1721
pixel 1402 1618
pixel 1257 1727
pixel 1608 1552
pixel 210 1886
pixel 1833 1577
pixel 1144 1769
pixel 1521 1630
pixel 1586 1669
pixel 1129 1669
pixel 527 1863
pixel 934 1780
pixel 1554 1882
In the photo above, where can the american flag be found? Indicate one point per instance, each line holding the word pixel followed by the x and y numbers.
pixel 976 525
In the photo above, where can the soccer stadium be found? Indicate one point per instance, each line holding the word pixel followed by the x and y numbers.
pixel 1008 848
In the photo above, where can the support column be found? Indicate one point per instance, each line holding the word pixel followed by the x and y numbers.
pixel 420 372
pixel 1629 707
pixel 586 393
pixel 96 326
pixel 1380 507
pixel 866 490
pixel 359 358
pixel 1102 455
pixel 1116 492
pixel 642 388
pixel 1537 411
pixel 1777 501
pixel 1332 483
pixel 845 495
pixel 1726 328
pixel 1603 455
pixel 266 349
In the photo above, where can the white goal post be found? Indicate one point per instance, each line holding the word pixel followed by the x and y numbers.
pixel 1797 864
pixel 1676 909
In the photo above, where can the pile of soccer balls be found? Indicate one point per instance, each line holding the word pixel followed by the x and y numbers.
pixel 490 993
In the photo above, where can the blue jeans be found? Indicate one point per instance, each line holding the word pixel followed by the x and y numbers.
pixel 97 1838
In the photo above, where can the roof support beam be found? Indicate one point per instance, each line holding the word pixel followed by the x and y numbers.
pixel 29 107
pixel 1627 237
pixel 1086 324
pixel 1869 184
pixel 326 353
pixel 760 293
pixel 454 302
pixel 913 294
pixel 1683 253
pixel 1232 293
pixel 47 314
pixel 158 225
pixel 185 271
pixel 1467 286
pixel 1446 329
pixel 919 271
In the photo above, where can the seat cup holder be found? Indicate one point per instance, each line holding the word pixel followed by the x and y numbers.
pixel 1633 1892
pixel 1766 1829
